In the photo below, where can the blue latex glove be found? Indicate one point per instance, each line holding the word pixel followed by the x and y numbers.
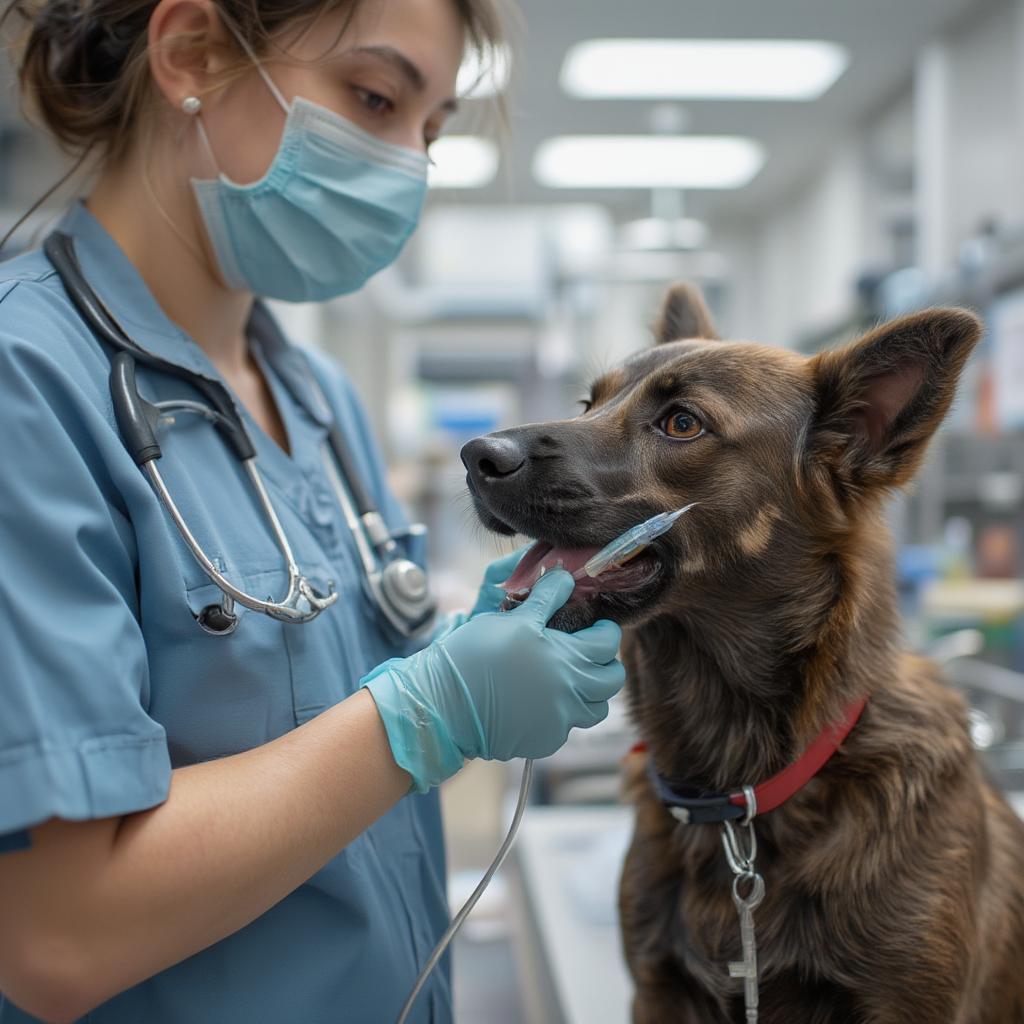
pixel 490 595
pixel 500 686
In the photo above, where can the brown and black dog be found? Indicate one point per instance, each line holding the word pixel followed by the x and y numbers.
pixel 895 878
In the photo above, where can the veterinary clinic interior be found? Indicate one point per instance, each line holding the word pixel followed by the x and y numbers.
pixel 642 226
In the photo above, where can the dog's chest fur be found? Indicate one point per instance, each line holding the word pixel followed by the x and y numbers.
pixel 872 876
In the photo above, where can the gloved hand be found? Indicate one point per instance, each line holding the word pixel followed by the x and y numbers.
pixel 490 595
pixel 501 686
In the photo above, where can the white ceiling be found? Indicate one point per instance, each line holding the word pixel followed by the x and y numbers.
pixel 882 37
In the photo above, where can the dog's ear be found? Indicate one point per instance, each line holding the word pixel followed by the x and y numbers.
pixel 880 399
pixel 684 314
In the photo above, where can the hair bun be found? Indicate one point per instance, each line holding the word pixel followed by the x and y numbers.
pixel 59 18
pixel 105 49
pixel 72 65
pixel 85 47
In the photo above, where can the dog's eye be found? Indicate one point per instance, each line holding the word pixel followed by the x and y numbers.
pixel 586 403
pixel 683 426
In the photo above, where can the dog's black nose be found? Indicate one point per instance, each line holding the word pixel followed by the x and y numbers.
pixel 492 458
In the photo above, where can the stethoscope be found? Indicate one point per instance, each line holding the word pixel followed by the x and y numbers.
pixel 397 586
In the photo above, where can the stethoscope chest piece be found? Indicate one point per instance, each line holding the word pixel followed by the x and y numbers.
pixel 405 587
pixel 405 580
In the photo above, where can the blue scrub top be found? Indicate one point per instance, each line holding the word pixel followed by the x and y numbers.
pixel 107 682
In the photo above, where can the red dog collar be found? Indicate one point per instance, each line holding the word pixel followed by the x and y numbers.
pixel 696 807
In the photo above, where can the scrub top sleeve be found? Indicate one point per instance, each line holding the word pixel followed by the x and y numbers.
pixel 75 739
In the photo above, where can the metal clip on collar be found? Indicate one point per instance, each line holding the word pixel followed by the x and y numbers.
pixel 741 855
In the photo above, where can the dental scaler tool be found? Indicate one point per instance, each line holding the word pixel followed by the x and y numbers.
pixel 630 543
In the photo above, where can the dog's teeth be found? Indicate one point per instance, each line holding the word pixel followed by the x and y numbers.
pixel 543 569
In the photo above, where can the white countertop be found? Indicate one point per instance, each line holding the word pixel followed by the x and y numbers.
pixel 570 859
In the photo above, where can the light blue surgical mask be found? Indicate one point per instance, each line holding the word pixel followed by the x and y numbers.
pixel 335 206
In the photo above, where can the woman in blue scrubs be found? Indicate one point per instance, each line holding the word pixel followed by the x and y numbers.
pixel 244 827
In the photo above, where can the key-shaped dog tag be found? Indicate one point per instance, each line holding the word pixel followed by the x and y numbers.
pixel 747 967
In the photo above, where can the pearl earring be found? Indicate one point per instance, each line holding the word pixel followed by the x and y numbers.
pixel 191 104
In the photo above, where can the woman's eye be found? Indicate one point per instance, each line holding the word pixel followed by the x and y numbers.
pixel 373 101
pixel 683 426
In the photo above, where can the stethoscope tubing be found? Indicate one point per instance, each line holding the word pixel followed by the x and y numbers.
pixel 59 249
pixel 406 605
pixel 288 608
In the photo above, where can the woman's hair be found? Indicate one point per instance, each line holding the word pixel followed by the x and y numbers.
pixel 83 65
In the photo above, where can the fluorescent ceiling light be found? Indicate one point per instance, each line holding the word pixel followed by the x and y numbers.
pixel 710 69
pixel 483 75
pixel 462 161
pixel 647 161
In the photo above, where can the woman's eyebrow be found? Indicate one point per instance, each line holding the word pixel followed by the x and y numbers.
pixel 405 67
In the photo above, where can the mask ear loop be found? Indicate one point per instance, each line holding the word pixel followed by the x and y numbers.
pixel 192 106
pixel 204 141
pixel 260 70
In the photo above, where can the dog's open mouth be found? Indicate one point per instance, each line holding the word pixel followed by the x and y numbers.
pixel 632 575
pixel 624 593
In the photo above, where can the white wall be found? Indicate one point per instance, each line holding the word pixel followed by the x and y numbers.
pixel 986 173
pixel 948 151
pixel 797 267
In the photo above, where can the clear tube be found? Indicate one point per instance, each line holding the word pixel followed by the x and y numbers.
pixel 499 858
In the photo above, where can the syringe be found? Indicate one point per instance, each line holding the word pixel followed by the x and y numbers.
pixel 630 543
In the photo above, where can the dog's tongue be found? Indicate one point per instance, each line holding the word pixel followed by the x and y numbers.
pixel 542 557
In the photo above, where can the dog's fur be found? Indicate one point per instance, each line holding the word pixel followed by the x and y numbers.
pixel 895 879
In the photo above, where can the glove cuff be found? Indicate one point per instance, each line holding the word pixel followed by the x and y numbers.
pixel 420 741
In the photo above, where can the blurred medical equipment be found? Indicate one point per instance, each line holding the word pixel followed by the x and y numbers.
pixel 397 585
pixel 621 549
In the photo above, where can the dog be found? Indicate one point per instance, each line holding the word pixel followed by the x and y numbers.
pixel 894 878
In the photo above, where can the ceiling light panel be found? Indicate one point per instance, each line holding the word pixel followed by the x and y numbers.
pixel 462 161
pixel 647 161
pixel 708 69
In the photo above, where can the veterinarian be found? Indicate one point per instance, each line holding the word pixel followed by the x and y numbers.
pixel 221 738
